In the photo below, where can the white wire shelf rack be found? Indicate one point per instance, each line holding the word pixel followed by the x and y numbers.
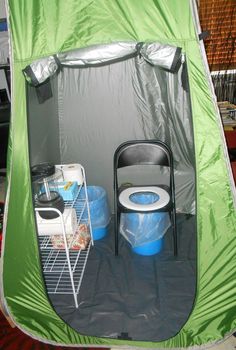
pixel 63 267
pixel 56 270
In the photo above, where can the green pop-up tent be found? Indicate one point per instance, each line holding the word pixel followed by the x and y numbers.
pixel 115 71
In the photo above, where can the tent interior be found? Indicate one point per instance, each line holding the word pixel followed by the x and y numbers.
pixel 93 110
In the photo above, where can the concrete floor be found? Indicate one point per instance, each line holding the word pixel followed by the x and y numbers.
pixel 229 344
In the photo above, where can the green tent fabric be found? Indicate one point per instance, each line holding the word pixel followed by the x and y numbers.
pixel 39 29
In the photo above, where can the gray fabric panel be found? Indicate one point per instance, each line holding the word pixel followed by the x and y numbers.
pixel 163 105
pixel 43 127
pixel 99 108
pixel 97 112
pixel 164 110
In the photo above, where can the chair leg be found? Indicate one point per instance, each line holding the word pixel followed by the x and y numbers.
pixel 174 227
pixel 116 225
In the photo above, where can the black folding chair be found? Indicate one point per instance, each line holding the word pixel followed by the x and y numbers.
pixel 147 152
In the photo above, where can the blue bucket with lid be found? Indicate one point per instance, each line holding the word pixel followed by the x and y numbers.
pixel 145 230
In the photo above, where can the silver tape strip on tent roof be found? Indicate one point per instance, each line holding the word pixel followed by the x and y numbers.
pixel 164 56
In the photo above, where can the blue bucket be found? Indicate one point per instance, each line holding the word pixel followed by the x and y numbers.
pixel 99 232
pixel 99 211
pixel 3 25
pixel 150 248
pixel 145 231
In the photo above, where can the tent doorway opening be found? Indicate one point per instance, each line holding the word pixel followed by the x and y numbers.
pixel 91 111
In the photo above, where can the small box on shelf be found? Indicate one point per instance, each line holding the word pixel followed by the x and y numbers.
pixel 68 190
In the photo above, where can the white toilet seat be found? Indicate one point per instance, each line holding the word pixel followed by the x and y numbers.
pixel 164 198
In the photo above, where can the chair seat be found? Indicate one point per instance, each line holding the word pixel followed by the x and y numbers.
pixel 162 201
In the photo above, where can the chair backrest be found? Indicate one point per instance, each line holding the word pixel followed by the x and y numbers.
pixel 148 152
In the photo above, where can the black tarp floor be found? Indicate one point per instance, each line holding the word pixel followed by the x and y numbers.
pixel 148 298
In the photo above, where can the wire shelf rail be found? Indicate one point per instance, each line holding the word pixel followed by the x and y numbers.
pixel 63 267
pixel 56 269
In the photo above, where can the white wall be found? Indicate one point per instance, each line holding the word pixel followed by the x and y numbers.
pixel 2 9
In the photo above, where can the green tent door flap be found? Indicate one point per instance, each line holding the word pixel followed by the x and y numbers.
pixel 86 77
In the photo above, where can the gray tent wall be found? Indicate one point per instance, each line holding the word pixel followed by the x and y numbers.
pixel 43 127
pixel 100 107
pixel 92 111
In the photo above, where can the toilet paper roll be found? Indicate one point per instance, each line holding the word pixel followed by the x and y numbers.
pixel 58 175
pixel 73 172
pixel 54 226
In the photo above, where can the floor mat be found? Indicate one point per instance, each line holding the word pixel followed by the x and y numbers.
pixel 132 296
